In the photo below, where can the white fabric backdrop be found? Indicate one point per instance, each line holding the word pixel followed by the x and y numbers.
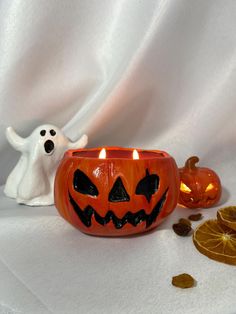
pixel 132 73
pixel 146 73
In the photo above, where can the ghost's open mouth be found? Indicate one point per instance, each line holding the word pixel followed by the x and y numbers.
pixel 132 218
pixel 49 146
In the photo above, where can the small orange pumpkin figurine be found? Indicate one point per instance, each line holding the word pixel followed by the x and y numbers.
pixel 199 187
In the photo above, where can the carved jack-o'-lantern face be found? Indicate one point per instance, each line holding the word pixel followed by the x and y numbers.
pixel 199 187
pixel 116 196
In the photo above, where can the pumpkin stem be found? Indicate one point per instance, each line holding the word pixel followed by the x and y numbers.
pixel 191 163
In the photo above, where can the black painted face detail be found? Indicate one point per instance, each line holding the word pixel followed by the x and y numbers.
pixel 53 132
pixel 42 132
pixel 49 146
pixel 83 184
pixel 118 192
pixel 132 218
pixel 148 185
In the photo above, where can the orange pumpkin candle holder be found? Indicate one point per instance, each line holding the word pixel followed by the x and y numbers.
pixel 116 191
pixel 199 187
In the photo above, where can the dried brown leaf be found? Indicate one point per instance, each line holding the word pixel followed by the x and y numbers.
pixel 185 221
pixel 195 217
pixel 183 281
pixel 181 229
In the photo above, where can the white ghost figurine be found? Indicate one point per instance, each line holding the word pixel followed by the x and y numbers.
pixel 31 182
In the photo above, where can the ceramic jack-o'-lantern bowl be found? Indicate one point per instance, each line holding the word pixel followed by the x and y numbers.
pixel 116 191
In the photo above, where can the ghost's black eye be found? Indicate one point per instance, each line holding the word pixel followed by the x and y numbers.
pixel 148 185
pixel 53 132
pixel 118 192
pixel 42 132
pixel 83 184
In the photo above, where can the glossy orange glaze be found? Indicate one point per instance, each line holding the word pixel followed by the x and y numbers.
pixel 200 187
pixel 103 173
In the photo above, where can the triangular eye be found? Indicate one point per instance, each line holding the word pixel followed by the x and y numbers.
pixel 184 188
pixel 118 192
pixel 209 187
pixel 148 185
pixel 83 184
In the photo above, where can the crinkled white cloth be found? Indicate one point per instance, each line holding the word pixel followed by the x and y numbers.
pixel 48 266
pixel 153 74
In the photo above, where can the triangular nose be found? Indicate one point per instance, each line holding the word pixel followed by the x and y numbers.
pixel 118 192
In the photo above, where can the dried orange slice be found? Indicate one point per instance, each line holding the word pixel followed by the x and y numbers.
pixel 216 241
pixel 227 216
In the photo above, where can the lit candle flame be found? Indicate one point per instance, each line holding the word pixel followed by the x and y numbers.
pixel 102 154
pixel 135 154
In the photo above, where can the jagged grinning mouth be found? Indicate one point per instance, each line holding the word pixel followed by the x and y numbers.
pixel 132 218
pixel 206 199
